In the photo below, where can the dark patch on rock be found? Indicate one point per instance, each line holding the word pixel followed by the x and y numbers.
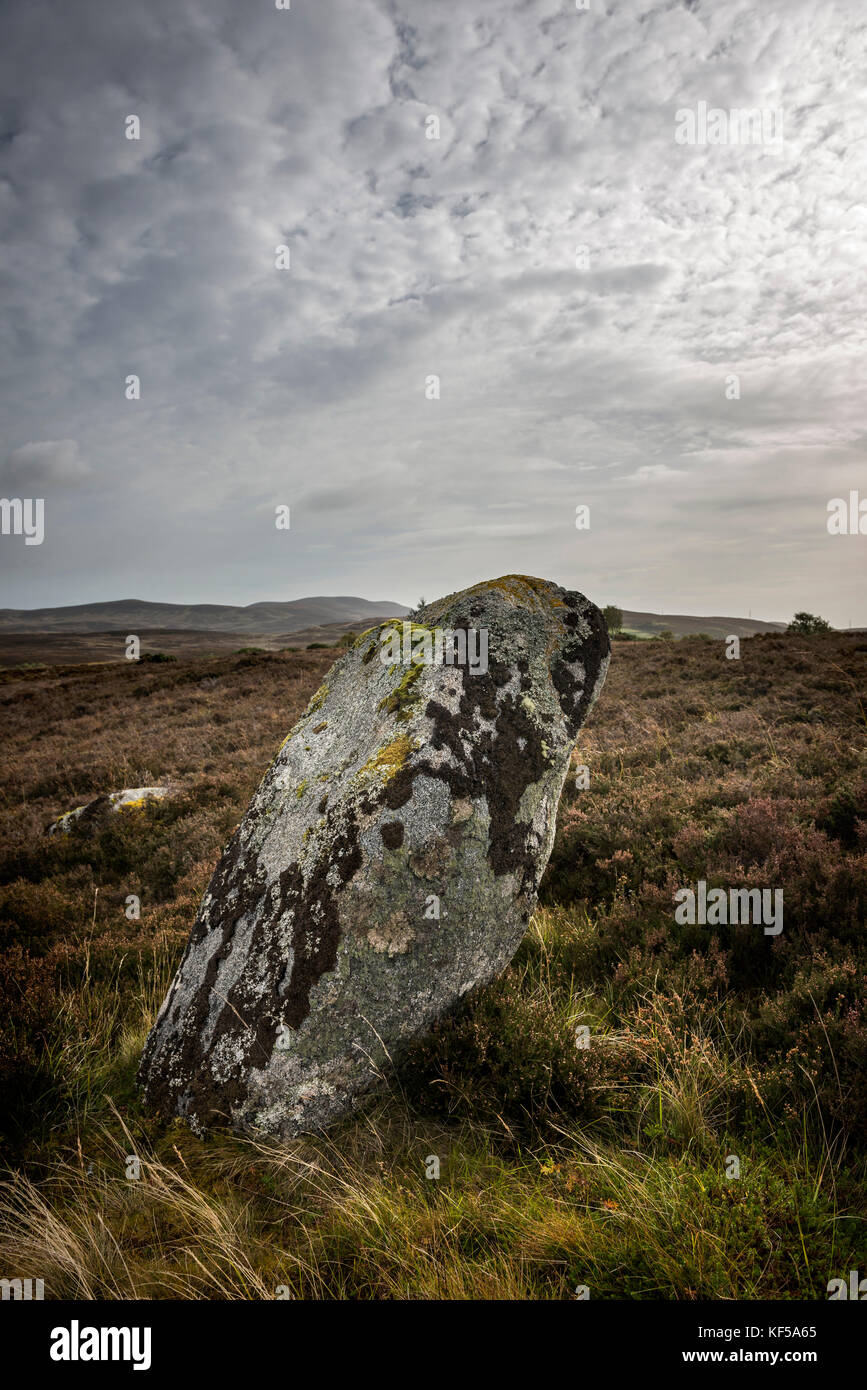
pixel 575 693
pixel 515 746
pixel 236 890
pixel 398 790
pixel 312 901
pixel 392 834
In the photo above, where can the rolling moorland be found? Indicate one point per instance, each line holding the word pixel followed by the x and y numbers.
pixel 87 632
pixel 74 648
pixel 560 1166
pixel 98 631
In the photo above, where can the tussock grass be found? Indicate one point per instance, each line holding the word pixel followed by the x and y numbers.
pixel 559 1165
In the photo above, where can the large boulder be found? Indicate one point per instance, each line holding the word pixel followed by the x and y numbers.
pixel 387 864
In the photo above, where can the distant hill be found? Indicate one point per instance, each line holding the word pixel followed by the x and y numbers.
pixel 303 615
pixel 649 624
pixel 134 614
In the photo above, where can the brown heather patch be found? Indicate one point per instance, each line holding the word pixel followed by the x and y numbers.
pixel 559 1166
pixel 749 773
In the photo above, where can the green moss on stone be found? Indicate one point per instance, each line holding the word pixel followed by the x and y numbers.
pixel 318 700
pixel 402 699
pixel 391 758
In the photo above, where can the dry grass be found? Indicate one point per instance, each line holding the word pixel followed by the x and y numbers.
pixel 559 1166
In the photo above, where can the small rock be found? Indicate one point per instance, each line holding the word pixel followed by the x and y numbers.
pixel 96 812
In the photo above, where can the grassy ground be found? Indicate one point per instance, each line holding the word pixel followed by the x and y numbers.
pixel 560 1166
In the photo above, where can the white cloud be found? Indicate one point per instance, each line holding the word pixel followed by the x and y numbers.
pixel 656 472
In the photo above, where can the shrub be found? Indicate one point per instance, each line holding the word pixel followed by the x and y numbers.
pixel 505 1059
pixel 807 624
pixel 28 1009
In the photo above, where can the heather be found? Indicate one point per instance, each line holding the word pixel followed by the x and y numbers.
pixel 560 1164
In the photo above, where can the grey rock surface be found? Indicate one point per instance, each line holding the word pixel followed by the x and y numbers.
pixel 95 813
pixel 388 862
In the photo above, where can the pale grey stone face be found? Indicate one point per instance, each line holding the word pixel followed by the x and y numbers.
pixel 387 864
pixel 102 806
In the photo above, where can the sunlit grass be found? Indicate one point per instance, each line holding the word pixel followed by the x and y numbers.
pixel 609 1166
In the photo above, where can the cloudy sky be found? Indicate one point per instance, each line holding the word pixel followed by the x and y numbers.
pixel 670 334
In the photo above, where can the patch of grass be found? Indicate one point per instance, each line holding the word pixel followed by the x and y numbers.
pixel 560 1163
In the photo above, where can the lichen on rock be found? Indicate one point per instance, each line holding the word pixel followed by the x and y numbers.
pixel 94 814
pixel 336 927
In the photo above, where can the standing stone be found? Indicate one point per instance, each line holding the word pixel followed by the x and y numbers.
pixel 388 862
